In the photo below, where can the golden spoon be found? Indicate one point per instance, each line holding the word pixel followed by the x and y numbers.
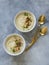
pixel 41 19
pixel 39 32
pixel 43 31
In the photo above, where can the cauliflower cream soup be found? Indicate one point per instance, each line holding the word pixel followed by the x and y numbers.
pixel 24 21
pixel 14 44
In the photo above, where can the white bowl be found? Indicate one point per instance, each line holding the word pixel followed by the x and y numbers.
pixel 16 54
pixel 33 18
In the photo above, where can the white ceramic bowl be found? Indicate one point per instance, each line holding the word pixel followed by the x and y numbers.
pixel 16 54
pixel 33 18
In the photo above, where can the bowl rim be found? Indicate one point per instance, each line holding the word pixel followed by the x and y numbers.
pixel 23 12
pixel 12 54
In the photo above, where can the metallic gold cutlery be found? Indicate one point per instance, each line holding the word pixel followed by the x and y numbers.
pixel 38 33
pixel 43 31
pixel 41 19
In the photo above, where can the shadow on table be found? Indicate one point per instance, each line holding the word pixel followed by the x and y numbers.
pixel 28 36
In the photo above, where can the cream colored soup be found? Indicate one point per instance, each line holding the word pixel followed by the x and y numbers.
pixel 14 44
pixel 24 21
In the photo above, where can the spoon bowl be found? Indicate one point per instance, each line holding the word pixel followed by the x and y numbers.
pixel 41 19
pixel 43 31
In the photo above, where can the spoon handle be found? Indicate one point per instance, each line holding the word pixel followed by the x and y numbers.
pixel 34 39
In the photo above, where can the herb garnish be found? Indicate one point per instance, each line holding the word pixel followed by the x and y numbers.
pixel 26 14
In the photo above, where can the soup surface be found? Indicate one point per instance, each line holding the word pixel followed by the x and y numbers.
pixel 14 44
pixel 24 21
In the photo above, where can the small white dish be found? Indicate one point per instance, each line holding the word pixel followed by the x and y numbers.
pixel 7 51
pixel 16 19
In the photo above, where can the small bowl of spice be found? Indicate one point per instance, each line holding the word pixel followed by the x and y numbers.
pixel 14 44
pixel 25 21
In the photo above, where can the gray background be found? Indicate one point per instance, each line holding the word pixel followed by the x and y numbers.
pixel 39 53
